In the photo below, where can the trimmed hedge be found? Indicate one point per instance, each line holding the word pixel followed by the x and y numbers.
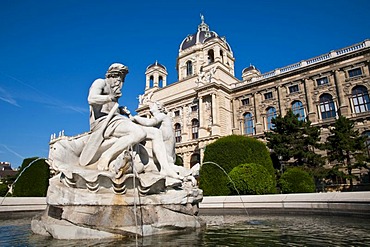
pixel 3 189
pixel 296 180
pixel 229 152
pixel 251 179
pixel 34 181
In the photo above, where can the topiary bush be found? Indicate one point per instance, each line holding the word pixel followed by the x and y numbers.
pixel 251 179
pixel 34 181
pixel 3 189
pixel 229 152
pixel 295 180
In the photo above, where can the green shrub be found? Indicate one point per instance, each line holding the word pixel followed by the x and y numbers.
pixel 3 189
pixel 34 181
pixel 295 180
pixel 229 152
pixel 251 179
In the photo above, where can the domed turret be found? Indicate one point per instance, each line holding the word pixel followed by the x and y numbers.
pixel 203 50
pixel 201 36
pixel 156 74
pixel 156 64
pixel 250 72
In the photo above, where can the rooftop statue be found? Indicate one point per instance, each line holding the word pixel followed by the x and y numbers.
pixel 105 171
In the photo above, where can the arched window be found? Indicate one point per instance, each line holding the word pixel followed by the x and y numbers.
pixel 248 124
pixel 327 106
pixel 194 159
pixel 270 114
pixel 151 81
pixel 298 109
pixel 360 98
pixel 189 68
pixel 195 128
pixel 211 56
pixel 177 132
pixel 160 81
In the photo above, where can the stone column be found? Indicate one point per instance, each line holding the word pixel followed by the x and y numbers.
pixel 147 82
pixel 257 114
pixel 184 124
pixel 202 122
pixel 217 54
pixel 164 81
pixel 156 78
pixel 215 123
pixel 186 159
pixel 342 103
pixel 281 111
pixel 308 90
pixel 214 110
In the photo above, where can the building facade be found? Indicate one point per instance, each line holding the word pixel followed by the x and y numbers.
pixel 6 171
pixel 208 101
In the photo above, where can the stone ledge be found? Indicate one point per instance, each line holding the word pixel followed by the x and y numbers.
pixel 344 202
pixel 335 203
pixel 19 204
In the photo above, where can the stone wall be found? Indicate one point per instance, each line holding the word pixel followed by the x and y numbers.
pixel 335 203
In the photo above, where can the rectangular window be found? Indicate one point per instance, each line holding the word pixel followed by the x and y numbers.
pixel 354 72
pixel 268 95
pixel 293 89
pixel 194 108
pixel 245 101
pixel 177 113
pixel 322 81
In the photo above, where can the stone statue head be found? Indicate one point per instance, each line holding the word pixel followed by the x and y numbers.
pixel 159 106
pixel 117 69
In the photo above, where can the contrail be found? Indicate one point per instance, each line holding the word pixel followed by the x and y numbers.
pixel 13 152
pixel 46 99
pixel 7 97
pixel 12 77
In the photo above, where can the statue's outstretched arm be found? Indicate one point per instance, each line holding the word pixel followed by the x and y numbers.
pixel 146 121
pixel 154 121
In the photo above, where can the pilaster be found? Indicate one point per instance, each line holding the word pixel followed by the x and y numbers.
pixel 216 130
pixel 311 110
pixel 342 106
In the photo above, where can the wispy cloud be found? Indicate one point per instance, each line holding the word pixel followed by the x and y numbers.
pixel 38 97
pixel 7 97
pixel 13 152
pixel 77 109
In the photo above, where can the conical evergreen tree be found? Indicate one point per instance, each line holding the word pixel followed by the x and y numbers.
pixel 295 141
pixel 346 147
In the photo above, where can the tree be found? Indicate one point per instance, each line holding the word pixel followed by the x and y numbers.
pixel 221 156
pixel 346 147
pixel 295 141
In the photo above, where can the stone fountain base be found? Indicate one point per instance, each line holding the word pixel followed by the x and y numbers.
pixel 74 214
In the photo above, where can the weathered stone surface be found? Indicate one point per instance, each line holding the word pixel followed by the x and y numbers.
pixel 108 184
pixel 75 213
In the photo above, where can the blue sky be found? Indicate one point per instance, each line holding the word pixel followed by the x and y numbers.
pixel 51 51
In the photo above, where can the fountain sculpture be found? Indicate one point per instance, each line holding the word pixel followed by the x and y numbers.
pixel 118 179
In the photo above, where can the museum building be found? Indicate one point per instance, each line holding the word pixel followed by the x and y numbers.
pixel 208 101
